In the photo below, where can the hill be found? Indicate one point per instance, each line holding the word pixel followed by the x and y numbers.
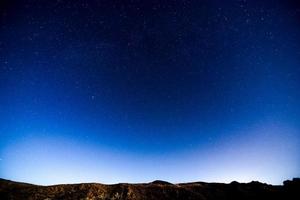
pixel 156 190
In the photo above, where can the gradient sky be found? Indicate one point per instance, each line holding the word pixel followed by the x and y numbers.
pixel 133 91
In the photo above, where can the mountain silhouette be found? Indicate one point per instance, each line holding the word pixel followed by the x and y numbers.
pixel 156 190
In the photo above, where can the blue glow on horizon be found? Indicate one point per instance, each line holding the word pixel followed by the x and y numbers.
pixel 261 154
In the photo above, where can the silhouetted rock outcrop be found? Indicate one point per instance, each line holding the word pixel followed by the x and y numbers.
pixel 159 182
pixel 156 190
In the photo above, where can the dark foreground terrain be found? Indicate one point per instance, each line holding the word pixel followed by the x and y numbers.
pixel 157 190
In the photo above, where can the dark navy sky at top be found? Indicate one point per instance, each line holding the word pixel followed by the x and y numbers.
pixel 147 76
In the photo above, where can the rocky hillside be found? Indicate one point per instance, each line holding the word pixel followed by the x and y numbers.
pixel 157 190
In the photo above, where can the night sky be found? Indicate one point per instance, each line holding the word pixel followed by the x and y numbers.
pixel 133 91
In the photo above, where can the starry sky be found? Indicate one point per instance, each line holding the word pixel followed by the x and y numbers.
pixel 132 91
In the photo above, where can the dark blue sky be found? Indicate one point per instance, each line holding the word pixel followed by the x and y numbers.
pixel 131 91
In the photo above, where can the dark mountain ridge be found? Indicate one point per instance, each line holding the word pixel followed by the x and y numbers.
pixel 156 190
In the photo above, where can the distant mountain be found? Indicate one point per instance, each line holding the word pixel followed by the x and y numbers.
pixel 156 190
